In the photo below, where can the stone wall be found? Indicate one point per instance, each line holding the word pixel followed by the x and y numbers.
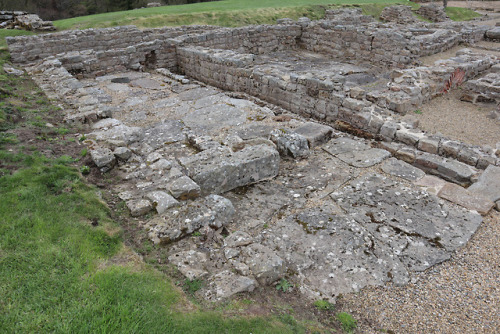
pixel 398 14
pixel 434 12
pixel 373 43
pixel 26 49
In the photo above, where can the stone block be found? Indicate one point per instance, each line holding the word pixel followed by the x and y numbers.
pixel 161 201
pixel 103 158
pixel 122 153
pixel 315 133
pixel 289 143
pixel 217 171
pixel 139 207
pixel 429 144
pixel 470 200
pixel 388 130
pixel 184 188
pixel 213 211
pixel 266 266
pixel 488 183
pixel 402 169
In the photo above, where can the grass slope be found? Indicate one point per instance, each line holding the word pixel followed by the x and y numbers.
pixel 225 13
pixel 63 265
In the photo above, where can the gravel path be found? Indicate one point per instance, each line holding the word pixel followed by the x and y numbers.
pixel 459 296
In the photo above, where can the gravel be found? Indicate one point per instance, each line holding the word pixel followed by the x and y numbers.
pixel 457 296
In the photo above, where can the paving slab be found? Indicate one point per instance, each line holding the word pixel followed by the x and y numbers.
pixel 470 200
pixel 488 183
pixel 402 169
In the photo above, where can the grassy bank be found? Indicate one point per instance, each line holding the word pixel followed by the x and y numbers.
pixel 229 13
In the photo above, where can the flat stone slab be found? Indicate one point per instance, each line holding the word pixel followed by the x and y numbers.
pixel 488 183
pixel 166 133
pixel 344 145
pixel 315 133
pixel 431 184
pixel 226 284
pixel 402 169
pixel 364 159
pixel 161 201
pixel 148 83
pixel 210 212
pixel 190 263
pixel 197 93
pixel 215 117
pixel 218 171
pixel 470 200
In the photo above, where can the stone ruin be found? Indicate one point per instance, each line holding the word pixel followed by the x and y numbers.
pixel 286 147
pixel 25 21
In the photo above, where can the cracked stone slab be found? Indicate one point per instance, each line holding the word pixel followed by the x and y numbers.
pixel 215 117
pixel 217 171
pixel 226 284
pixel 431 184
pixel 264 263
pixel 402 169
pixel 344 145
pixel 470 200
pixel 190 263
pixel 212 211
pixel 333 254
pixel 147 83
pixel 376 199
pixel 168 132
pixel 488 183
pixel 364 159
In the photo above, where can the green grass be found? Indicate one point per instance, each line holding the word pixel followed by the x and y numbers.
pixel 461 14
pixel 229 13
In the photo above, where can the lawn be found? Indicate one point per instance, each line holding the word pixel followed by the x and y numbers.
pixel 228 13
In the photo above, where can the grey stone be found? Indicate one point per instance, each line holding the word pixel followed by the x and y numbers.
pixel 266 266
pixel 423 215
pixel 12 71
pixel 429 144
pixel 161 164
pixel 153 157
pixel 388 130
pixel 139 207
pixel 364 159
pixel 219 171
pixel 190 263
pixel 103 158
pixel 409 136
pixel 315 133
pixel 344 145
pixel 230 253
pixel 254 131
pixel 289 143
pixel 488 183
pixel 238 239
pixel 470 200
pixel 212 211
pixel 122 153
pixel 118 135
pixel 402 169
pixel 431 184
pixel 493 33
pixel 226 284
pixel 161 201
pixel 184 188
pixel 215 117
pixel 163 134
pixel 450 170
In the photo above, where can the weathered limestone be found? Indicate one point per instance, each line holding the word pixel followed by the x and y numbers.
pixel 103 158
pixel 212 211
pixel 161 201
pixel 289 143
pixel 488 183
pixel 217 171
pixel 470 200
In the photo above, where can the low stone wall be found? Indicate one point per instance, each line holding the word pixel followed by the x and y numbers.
pixel 252 39
pixel 398 14
pixel 434 12
pixel 24 20
pixel 374 43
pixel 26 49
pixel 348 16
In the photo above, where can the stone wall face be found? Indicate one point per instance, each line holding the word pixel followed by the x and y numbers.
pixel 370 44
pixel 25 49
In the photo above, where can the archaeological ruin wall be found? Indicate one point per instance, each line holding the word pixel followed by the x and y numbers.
pixel 349 57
